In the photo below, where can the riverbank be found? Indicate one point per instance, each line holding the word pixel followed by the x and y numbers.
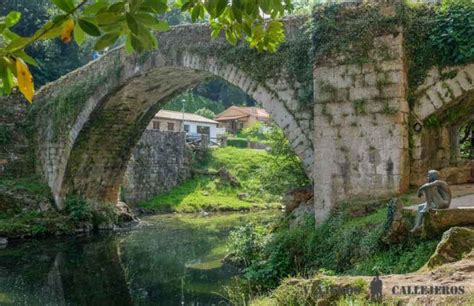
pixel 231 179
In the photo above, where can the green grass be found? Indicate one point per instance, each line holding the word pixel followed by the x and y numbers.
pixel 211 193
pixel 33 184
pixel 32 223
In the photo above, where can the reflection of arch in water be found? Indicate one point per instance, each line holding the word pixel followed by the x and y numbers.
pixel 445 105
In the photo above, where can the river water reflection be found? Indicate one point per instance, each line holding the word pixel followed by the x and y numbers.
pixel 173 260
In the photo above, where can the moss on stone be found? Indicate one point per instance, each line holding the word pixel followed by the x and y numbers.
pixel 455 243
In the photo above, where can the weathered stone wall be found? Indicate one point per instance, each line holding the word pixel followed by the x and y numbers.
pixel 15 157
pixel 89 120
pixel 439 149
pixel 160 161
pixel 445 102
pixel 360 126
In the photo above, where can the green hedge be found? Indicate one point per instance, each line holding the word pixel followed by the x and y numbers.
pixel 238 142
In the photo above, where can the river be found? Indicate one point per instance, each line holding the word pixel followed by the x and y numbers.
pixel 170 260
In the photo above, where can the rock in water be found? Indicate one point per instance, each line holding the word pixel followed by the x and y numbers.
pixel 456 242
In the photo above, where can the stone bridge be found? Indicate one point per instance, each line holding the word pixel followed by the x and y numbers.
pixel 356 140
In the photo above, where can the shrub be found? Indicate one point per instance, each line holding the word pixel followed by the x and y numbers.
pixel 78 209
pixel 105 214
pixel 342 244
pixel 246 243
pixel 238 142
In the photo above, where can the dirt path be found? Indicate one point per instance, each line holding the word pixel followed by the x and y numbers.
pixel 454 276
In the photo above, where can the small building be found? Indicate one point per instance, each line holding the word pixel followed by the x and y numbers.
pixel 192 124
pixel 236 118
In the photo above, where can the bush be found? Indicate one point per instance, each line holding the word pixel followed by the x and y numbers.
pixel 246 242
pixel 78 209
pixel 343 244
pixel 255 133
pixel 237 142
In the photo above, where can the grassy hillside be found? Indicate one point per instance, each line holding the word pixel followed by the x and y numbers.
pixel 263 178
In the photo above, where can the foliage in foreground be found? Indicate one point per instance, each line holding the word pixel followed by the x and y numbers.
pixel 134 20
pixel 342 245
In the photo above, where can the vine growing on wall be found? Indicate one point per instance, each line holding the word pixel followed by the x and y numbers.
pixel 434 35
pixel 293 57
pixel 437 36
pixel 349 31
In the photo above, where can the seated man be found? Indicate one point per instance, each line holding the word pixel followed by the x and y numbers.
pixel 437 195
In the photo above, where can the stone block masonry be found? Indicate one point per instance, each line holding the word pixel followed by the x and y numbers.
pixel 353 141
pixel 360 128
pixel 160 161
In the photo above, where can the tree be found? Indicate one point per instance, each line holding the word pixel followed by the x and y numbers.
pixel 54 58
pixel 205 113
pixel 109 20
pixel 191 102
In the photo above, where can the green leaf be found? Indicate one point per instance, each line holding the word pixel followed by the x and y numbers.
pixel 7 78
pixel 65 5
pixel 145 18
pixel 88 27
pixel 106 41
pixel 132 24
pixel 107 18
pixel 93 9
pixel 118 7
pixel 215 33
pixel 237 13
pixel 136 44
pixel 54 30
pixel 18 43
pixel 210 6
pixel 159 6
pixel 247 29
pixel 220 7
pixel 25 57
pixel 12 18
pixel 161 25
pixel 128 44
pixel 79 35
pixel 134 5
pixel 147 38
pixel 11 35
pixel 231 37
pixel 187 6
pixel 196 12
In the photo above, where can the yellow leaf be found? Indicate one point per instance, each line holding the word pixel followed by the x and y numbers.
pixel 25 80
pixel 68 28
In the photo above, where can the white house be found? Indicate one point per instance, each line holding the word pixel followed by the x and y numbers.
pixel 192 124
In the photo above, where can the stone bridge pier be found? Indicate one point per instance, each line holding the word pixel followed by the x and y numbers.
pixel 360 126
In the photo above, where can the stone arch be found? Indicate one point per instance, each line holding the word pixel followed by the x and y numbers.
pixel 89 120
pixel 446 101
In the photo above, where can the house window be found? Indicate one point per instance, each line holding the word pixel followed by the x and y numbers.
pixel 170 126
pixel 156 125
pixel 204 130
pixel 186 128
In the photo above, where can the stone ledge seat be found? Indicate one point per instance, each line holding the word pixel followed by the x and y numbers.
pixel 440 220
